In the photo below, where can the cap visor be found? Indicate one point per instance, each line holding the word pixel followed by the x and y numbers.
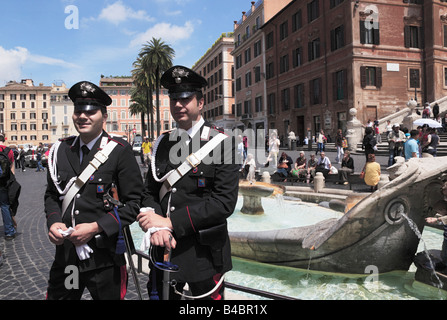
pixel 181 95
pixel 86 107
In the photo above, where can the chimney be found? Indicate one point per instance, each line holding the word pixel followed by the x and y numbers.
pixel 235 25
pixel 253 6
pixel 243 16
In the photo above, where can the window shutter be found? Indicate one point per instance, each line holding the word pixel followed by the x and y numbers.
pixel 363 77
pixel 378 77
pixel 362 31
pixel 407 36
pixel 334 85
pixel 377 34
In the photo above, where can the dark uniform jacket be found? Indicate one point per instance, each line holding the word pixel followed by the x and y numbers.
pixel 200 203
pixel 122 169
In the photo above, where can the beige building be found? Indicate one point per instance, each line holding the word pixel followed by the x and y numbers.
pixel 217 67
pixel 120 121
pixel 61 110
pixel 24 113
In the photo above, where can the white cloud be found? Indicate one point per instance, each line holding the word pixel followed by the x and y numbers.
pixel 118 12
pixel 169 33
pixel 13 61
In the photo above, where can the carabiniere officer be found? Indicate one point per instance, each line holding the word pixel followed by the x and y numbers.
pixel 197 206
pixel 91 247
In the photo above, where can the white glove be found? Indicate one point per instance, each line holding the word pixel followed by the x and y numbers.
pixel 82 251
pixel 146 242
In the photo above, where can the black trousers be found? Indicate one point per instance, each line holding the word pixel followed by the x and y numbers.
pixel 109 283
pixel 155 287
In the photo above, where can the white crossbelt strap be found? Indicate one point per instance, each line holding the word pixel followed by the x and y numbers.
pixel 100 157
pixel 192 161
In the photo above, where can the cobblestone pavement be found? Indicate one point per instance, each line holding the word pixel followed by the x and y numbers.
pixel 28 257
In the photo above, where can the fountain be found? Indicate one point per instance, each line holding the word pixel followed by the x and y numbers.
pixel 372 232
pixel 252 195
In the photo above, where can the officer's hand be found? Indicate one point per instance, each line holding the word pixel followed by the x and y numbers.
pixel 163 238
pixel 83 233
pixel 55 236
pixel 150 219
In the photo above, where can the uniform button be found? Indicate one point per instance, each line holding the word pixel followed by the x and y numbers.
pixel 76 212
pixel 78 196
pixel 172 209
pixel 99 179
pixel 174 190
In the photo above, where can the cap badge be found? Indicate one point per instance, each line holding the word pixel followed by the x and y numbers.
pixel 178 73
pixel 86 88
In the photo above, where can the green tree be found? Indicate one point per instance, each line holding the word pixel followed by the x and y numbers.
pixel 156 57
pixel 138 106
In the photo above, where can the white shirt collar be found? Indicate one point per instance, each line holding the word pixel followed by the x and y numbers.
pixel 194 129
pixel 90 144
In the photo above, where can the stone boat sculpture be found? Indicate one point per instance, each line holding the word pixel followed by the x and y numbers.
pixel 372 234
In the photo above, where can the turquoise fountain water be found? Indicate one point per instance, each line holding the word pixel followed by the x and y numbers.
pixel 312 285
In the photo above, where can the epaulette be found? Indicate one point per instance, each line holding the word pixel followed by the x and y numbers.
pixel 120 141
pixel 219 129
pixel 67 138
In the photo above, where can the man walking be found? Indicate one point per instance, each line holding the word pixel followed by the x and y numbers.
pixel 7 170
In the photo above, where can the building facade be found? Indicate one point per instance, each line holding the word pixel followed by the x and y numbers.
pixel 24 113
pixel 249 64
pixel 217 67
pixel 120 121
pixel 324 57
pixel 61 111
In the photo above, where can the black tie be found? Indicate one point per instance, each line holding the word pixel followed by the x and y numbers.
pixel 85 151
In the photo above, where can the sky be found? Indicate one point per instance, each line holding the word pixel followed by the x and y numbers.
pixel 76 40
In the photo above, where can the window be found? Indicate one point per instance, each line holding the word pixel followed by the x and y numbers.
pixel 285 99
pixel 445 36
pixel 258 104
pixel 313 10
pixel 269 70
pixel 315 91
pixel 299 95
pixel 248 79
pixel 238 61
pixel 297 21
pixel 283 30
pixel 340 85
pixel 413 37
pixel 257 71
pixel 247 55
pixel 337 38
pixel 247 107
pixel 369 32
pixel 297 56
pixel 284 64
pixel 335 3
pixel 414 78
pixel 257 49
pixel 371 76
pixel 269 41
pixel 238 84
pixel 314 49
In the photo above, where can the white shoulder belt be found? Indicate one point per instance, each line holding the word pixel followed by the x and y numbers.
pixel 100 157
pixel 192 161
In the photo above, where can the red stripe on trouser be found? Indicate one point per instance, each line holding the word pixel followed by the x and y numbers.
pixel 216 294
pixel 123 289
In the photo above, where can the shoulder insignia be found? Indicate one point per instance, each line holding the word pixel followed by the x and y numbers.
pixel 67 138
pixel 117 140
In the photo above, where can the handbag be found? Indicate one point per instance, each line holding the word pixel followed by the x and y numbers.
pixel 282 165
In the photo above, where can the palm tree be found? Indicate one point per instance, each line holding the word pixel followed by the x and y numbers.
pixel 144 83
pixel 156 58
pixel 138 106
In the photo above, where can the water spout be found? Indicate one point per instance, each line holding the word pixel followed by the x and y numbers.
pixel 427 254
